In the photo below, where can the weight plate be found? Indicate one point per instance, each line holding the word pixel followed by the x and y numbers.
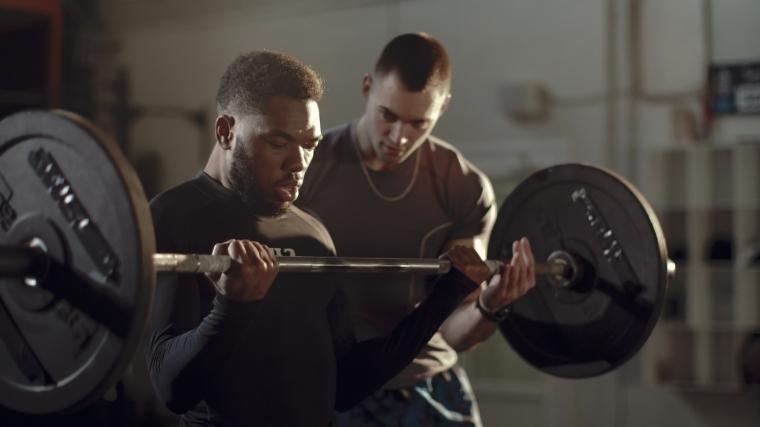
pixel 66 186
pixel 603 319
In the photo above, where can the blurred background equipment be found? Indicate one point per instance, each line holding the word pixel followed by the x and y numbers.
pixel 750 360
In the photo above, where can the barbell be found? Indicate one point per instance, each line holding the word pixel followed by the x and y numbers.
pixel 78 265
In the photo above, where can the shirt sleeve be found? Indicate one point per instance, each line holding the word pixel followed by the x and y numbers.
pixel 367 365
pixel 471 199
pixel 181 347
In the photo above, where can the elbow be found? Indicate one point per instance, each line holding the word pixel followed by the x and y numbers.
pixel 173 389
pixel 173 393
pixel 174 399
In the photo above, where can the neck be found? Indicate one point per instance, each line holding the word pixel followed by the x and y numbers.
pixel 368 155
pixel 217 168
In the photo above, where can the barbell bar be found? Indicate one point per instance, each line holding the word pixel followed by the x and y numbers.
pixel 72 206
pixel 31 263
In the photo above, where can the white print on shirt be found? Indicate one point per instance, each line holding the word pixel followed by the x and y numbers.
pixel 284 251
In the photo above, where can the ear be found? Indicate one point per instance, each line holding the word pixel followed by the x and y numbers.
pixel 446 103
pixel 366 84
pixel 224 131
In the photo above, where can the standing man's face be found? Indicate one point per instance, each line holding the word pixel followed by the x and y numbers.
pixel 398 120
pixel 271 151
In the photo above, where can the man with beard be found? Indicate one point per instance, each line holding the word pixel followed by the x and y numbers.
pixel 387 165
pixel 251 347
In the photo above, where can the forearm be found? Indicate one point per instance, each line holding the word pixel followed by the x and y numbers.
pixel 179 365
pixel 466 327
pixel 370 364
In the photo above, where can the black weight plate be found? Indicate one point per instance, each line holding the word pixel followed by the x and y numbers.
pixel 603 319
pixel 65 342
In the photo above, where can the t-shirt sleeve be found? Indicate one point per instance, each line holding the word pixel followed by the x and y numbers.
pixel 471 199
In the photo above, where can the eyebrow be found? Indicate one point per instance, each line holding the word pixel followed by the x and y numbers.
pixel 385 109
pixel 281 134
pixel 290 138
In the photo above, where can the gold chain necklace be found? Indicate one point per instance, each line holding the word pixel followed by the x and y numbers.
pixel 372 184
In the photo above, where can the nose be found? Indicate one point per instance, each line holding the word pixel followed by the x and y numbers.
pixel 399 133
pixel 297 159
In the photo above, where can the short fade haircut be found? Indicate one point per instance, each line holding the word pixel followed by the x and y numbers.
pixel 252 79
pixel 419 60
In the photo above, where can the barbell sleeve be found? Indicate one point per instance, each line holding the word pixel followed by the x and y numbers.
pixel 22 261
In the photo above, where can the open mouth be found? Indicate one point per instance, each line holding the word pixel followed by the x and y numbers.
pixel 287 191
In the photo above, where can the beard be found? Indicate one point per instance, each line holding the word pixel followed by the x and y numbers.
pixel 245 184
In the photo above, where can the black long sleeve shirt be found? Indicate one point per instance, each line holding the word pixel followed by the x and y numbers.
pixel 289 359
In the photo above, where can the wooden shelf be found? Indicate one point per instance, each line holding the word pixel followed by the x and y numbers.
pixel 708 202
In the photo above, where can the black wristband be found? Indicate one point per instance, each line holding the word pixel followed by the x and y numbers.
pixel 497 317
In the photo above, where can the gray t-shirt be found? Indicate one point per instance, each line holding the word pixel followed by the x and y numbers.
pixel 409 212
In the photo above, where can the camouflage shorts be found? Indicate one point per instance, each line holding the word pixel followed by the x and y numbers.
pixel 445 399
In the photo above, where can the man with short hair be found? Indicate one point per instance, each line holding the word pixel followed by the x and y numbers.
pixel 251 346
pixel 385 187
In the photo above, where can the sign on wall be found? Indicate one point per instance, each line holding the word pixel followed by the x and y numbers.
pixel 735 88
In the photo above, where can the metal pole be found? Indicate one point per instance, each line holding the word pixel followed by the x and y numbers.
pixel 20 261
pixel 195 263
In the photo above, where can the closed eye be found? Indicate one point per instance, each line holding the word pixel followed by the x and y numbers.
pixel 387 115
pixel 277 142
pixel 311 145
pixel 420 124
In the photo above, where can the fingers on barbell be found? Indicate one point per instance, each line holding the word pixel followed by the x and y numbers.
pixel 530 264
pixel 241 251
pixel 253 256
pixel 529 257
pixel 515 272
pixel 469 255
pixel 520 265
pixel 219 249
pixel 264 257
pixel 509 268
pixel 525 264
pixel 467 260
